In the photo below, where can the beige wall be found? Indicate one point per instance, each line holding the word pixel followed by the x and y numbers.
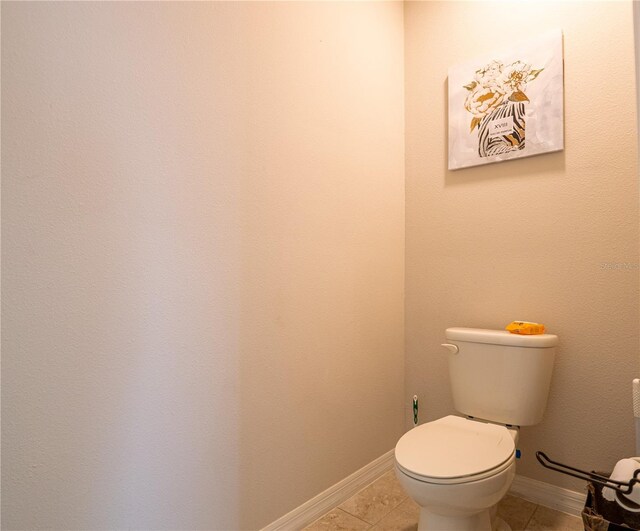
pixel 526 239
pixel 203 229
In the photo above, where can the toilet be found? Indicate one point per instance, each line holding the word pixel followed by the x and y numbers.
pixel 458 468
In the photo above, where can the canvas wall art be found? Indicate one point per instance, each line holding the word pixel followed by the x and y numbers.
pixel 508 104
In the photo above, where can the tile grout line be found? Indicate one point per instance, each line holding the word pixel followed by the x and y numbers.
pixel 526 525
pixel 356 517
pixel 338 508
pixel 363 489
pixel 392 509
pixel 361 519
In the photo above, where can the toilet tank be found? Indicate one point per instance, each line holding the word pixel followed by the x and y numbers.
pixel 499 376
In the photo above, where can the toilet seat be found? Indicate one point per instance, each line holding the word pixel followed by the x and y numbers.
pixel 455 450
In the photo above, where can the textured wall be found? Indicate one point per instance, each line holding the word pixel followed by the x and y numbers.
pixel 202 224
pixel 526 239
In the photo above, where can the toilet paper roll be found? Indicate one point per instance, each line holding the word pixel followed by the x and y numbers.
pixel 624 471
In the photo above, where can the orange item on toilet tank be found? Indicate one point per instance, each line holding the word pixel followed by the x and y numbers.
pixel 525 328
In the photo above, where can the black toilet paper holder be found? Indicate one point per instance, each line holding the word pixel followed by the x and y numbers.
pixel 623 487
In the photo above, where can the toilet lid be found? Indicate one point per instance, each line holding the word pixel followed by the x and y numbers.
pixel 454 447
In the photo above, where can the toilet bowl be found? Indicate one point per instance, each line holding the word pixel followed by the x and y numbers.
pixel 457 470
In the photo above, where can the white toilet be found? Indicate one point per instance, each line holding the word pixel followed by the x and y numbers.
pixel 457 469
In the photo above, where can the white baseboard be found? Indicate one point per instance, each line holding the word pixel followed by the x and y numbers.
pixel 565 500
pixel 313 509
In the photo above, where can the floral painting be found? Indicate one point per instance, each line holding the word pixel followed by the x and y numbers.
pixel 507 105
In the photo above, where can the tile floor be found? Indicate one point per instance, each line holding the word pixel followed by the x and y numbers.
pixel 383 506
